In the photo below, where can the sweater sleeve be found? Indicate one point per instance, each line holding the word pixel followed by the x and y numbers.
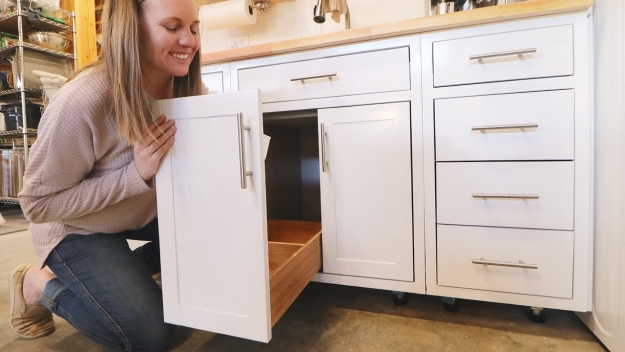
pixel 57 182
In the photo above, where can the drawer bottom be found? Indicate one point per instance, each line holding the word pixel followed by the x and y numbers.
pixel 532 262
pixel 294 259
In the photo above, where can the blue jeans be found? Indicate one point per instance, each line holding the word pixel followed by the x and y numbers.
pixel 107 292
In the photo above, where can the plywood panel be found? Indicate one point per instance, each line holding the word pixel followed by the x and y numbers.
pixel 288 281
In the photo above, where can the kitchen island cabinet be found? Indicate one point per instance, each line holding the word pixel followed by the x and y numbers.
pixel 382 157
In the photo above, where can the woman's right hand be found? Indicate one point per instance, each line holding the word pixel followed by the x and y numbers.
pixel 149 152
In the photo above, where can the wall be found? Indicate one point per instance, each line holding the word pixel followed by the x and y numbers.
pixel 289 20
pixel 607 320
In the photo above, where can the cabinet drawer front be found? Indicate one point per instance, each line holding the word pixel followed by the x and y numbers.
pixel 544 52
pixel 372 72
pixel 533 262
pixel 525 126
pixel 509 194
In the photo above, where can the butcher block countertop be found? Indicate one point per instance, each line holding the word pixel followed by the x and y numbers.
pixel 492 14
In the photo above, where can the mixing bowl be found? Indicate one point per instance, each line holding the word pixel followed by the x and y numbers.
pixel 50 40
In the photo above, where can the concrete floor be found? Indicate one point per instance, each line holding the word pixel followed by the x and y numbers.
pixel 337 318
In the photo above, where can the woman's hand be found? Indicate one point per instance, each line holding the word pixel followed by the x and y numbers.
pixel 149 152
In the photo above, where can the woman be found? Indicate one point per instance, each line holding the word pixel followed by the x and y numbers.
pixel 88 186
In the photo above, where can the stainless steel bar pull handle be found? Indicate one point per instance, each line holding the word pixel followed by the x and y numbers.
pixel 327 75
pixel 520 264
pixel 324 157
pixel 505 196
pixel 504 127
pixel 519 53
pixel 242 158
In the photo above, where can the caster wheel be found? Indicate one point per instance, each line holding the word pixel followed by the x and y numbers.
pixel 452 308
pixel 536 315
pixel 400 298
pixel 450 304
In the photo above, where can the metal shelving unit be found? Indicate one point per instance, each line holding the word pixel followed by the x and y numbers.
pixel 7 51
pixel 7 200
pixel 26 21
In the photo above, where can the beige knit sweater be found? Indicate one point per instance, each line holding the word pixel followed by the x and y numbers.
pixel 81 178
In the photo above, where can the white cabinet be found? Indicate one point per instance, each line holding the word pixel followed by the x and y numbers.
pixel 216 78
pixel 366 191
pixel 508 162
pixel 370 204
pixel 486 163
pixel 214 82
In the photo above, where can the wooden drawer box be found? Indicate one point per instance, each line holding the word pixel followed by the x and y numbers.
pixel 533 262
pixel 523 126
pixel 535 53
pixel 294 258
pixel 370 72
pixel 535 195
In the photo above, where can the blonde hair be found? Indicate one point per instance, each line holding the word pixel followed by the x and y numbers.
pixel 120 58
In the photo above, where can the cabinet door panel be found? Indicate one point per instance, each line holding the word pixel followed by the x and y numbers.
pixel 213 233
pixel 366 200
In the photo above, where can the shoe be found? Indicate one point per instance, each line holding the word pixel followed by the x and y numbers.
pixel 28 321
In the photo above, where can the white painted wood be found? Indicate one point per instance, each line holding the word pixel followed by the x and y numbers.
pixel 214 82
pixel 429 165
pixel 217 78
pixel 552 182
pixel 414 96
pixel 370 72
pixel 510 298
pixel 550 251
pixel 340 50
pixel 213 234
pixel 418 204
pixel 584 162
pixel 366 193
pixel 583 203
pixel 607 319
pixel 337 102
pixel 553 56
pixel 366 282
pixel 551 111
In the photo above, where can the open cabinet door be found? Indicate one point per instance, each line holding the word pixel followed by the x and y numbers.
pixel 212 216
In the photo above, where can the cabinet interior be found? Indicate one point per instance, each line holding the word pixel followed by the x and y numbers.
pixel 293 205
pixel 292 166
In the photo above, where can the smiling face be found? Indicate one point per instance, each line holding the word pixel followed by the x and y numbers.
pixel 169 37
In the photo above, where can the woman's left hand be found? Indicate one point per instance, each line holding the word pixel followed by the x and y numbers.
pixel 149 152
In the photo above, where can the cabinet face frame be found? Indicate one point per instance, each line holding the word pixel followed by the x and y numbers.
pixel 584 131
pixel 413 96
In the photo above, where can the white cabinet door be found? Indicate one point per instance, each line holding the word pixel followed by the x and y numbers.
pixel 213 231
pixel 366 191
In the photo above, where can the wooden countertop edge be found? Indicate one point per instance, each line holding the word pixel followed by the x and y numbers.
pixel 485 15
